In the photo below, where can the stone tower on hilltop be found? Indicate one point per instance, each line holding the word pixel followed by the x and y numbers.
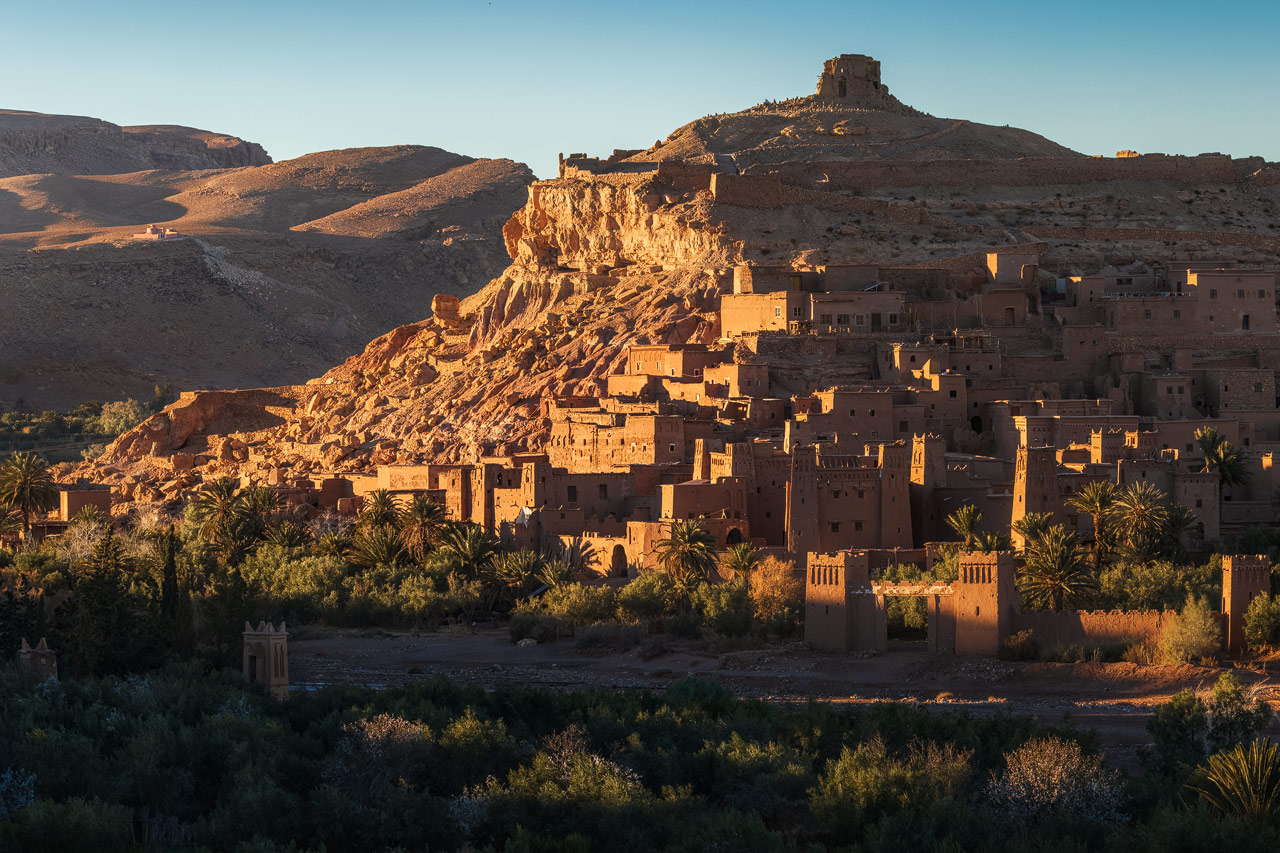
pixel 851 75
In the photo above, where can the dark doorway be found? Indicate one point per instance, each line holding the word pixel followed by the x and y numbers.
pixel 735 537
pixel 975 423
pixel 618 563
pixel 842 89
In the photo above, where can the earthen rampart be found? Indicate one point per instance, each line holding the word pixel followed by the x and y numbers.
pixel 1057 628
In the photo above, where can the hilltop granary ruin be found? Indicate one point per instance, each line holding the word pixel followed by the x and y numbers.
pixel 831 412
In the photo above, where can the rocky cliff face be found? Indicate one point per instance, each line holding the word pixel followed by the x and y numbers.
pixel 37 144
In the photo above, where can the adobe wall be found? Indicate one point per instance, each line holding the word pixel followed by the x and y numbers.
pixel 1054 629
pixel 1030 171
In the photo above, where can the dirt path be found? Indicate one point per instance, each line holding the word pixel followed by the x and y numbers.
pixel 1113 699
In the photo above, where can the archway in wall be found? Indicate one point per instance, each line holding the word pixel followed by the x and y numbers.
pixel 975 424
pixel 735 537
pixel 927 609
pixel 618 562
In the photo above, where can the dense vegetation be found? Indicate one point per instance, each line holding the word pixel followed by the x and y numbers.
pixel 80 432
pixel 438 766
pixel 124 599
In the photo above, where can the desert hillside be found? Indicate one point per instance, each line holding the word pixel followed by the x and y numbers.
pixel 37 143
pixel 273 272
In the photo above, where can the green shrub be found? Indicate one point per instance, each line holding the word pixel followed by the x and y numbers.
pixel 648 597
pixel 1020 646
pixel 1188 727
pixel 1192 635
pixel 577 604
pixel 1262 622
pixel 726 607
pixel 532 624
pixel 867 784
pixel 74 824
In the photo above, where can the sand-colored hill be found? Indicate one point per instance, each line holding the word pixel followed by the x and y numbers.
pixel 38 143
pixel 280 270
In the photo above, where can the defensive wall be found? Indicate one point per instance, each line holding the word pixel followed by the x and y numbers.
pixel 974 615
pixel 1054 629
pixel 1030 171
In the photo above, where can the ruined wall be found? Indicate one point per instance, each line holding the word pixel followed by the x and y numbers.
pixel 1054 629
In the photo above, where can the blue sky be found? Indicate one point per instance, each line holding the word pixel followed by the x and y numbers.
pixel 529 79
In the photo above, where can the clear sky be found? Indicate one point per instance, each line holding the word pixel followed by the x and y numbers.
pixel 500 78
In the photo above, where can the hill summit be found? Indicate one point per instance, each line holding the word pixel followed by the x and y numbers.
pixel 41 144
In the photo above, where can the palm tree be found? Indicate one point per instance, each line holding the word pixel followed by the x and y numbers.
pixel 1180 521
pixel 1095 499
pixel 687 554
pixel 557 572
pixel 1221 456
pixel 215 506
pixel 964 522
pixel 376 546
pixel 10 523
pixel 27 486
pixel 288 534
pixel 469 551
pixel 1244 781
pixel 516 575
pixel 379 509
pixel 1057 573
pixel 742 561
pixel 261 505
pixel 1032 526
pixel 422 522
pixel 989 543
pixel 1140 514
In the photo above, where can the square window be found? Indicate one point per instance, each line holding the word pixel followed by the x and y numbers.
pixel 572 494
pixel 857 525
pixel 777 311
pixel 835 527
pixel 1199 503
pixel 952 393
